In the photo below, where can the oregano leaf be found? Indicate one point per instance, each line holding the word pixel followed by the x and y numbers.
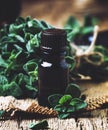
pixel 73 90
pixel 63 115
pixel 2 112
pixel 54 99
pixel 78 103
pixel 65 99
pixel 37 126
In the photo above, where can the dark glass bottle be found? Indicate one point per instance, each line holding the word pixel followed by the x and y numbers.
pixel 53 69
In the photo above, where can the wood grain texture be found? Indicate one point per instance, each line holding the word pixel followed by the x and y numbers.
pixel 57 124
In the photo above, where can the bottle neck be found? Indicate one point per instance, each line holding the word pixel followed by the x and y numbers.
pixel 53 55
pixel 53 58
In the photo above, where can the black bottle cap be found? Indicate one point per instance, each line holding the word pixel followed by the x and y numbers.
pixel 54 40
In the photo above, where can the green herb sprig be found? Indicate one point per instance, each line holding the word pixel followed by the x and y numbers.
pixel 66 105
pixel 80 29
pixel 42 125
pixel 19 57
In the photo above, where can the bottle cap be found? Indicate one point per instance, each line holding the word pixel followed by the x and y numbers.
pixel 54 40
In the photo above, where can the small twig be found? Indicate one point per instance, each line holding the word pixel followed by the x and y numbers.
pixel 97 63
pixel 92 45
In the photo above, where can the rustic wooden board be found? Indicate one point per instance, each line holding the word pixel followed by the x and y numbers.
pixel 57 124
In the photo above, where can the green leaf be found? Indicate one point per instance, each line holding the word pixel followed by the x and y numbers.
pixel 3 63
pixel 2 112
pixel 65 99
pixel 16 37
pixel 75 101
pixel 70 109
pixel 20 20
pixel 63 115
pixel 27 84
pixel 73 90
pixel 87 30
pixel 30 66
pixel 32 44
pixel 78 103
pixel 81 105
pixel 72 23
pixel 3 80
pixel 90 21
pixel 60 108
pixel 31 91
pixel 37 126
pixel 71 62
pixel 45 25
pixel 16 29
pixel 54 99
pixel 12 89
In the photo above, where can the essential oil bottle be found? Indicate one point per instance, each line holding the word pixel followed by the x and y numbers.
pixel 53 69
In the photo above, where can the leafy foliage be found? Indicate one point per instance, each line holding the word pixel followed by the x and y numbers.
pixel 73 90
pixel 78 29
pixel 66 105
pixel 54 99
pixel 19 57
pixel 2 112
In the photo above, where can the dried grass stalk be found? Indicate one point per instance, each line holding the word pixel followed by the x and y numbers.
pixel 12 105
pixel 96 102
